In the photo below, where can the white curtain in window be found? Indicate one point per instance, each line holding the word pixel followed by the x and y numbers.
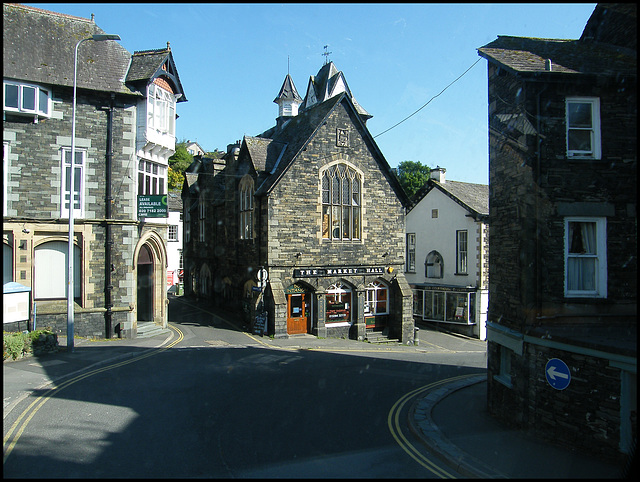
pixel 582 260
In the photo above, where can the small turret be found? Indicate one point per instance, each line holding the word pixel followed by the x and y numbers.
pixel 288 101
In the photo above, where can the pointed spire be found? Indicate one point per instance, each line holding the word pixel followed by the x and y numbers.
pixel 288 99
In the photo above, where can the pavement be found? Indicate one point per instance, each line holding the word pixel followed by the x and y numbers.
pixel 451 420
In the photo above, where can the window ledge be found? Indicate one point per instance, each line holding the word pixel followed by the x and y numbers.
pixel 503 380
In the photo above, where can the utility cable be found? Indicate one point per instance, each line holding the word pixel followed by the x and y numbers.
pixel 462 75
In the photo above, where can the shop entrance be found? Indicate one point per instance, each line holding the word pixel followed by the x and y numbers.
pixel 297 313
pixel 145 284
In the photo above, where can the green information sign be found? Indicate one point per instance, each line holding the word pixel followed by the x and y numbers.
pixel 152 206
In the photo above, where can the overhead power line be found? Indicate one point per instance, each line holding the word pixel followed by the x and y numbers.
pixel 409 116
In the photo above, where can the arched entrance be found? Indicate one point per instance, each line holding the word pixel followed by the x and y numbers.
pixel 150 262
pixel 298 310
pixel 145 284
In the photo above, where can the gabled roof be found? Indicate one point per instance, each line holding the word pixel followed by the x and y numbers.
pixel 606 47
pixel 328 83
pixel 39 47
pixel 473 197
pixel 289 141
pixel 147 65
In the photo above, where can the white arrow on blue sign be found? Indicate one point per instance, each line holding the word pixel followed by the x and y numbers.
pixel 557 373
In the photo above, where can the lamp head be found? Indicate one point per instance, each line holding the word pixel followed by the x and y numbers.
pixel 106 36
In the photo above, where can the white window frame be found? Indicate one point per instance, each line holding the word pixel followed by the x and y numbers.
pixel 411 253
pixel 600 256
pixel 172 232
pixel 593 128
pixel 372 298
pixel 155 174
pixel 161 109
pixel 462 251
pixel 434 265
pixel 246 208
pixel 78 212
pixel 41 99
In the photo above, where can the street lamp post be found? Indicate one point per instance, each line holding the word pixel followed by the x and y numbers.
pixel 70 288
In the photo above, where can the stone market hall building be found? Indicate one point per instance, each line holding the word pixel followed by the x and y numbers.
pixel 303 223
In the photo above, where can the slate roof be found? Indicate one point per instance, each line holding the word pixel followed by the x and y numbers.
pixel 288 91
pixel 602 49
pixel 473 197
pixel 147 64
pixel 280 147
pixel 39 47
pixel 322 87
pixel 174 201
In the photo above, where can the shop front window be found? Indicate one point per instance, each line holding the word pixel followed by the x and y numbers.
pixel 338 301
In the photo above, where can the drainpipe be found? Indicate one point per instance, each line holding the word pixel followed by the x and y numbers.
pixel 537 202
pixel 108 241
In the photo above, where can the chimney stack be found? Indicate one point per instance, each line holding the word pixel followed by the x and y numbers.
pixel 437 174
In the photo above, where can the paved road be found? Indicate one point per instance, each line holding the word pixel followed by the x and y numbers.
pixel 215 402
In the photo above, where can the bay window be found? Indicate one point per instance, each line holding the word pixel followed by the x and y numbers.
pixel 24 98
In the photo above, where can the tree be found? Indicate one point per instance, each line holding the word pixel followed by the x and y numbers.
pixel 178 163
pixel 412 176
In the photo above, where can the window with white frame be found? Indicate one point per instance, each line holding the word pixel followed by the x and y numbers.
pixel 434 265
pixel 411 253
pixel 377 299
pixel 78 182
pixel 585 257
pixel 583 127
pixel 51 274
pixel 151 177
pixel 173 233
pixel 246 208
pixel 338 304
pixel 461 251
pixel 28 99
pixel 202 216
pixel 161 110
pixel 341 203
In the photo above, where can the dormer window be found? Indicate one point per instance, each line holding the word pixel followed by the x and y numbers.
pixel 161 110
pixel 27 99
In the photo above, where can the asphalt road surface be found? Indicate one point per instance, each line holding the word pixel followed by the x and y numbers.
pixel 216 403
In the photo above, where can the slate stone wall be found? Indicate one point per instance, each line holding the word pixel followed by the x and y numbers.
pixel 33 202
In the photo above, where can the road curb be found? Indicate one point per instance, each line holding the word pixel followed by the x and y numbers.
pixel 422 425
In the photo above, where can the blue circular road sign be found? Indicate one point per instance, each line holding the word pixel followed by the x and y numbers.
pixel 557 373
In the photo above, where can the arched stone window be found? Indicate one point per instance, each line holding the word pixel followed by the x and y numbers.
pixel 377 299
pixel 341 202
pixel 246 207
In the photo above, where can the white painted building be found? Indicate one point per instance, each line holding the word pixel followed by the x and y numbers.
pixel 174 241
pixel 447 261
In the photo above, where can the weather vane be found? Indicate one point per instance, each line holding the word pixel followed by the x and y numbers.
pixel 326 55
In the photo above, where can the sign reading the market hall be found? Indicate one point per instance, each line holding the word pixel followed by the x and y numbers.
pixel 317 272
pixel 152 206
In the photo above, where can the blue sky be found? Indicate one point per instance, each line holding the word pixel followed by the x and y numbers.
pixel 232 61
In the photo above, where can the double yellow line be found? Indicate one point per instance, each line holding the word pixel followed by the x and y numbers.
pixel 10 439
pixel 393 421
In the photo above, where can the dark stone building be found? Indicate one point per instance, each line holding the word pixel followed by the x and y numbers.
pixel 562 336
pixel 304 223
pixel 124 133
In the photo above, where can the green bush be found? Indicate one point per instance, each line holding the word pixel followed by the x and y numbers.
pixel 18 344
pixel 14 345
